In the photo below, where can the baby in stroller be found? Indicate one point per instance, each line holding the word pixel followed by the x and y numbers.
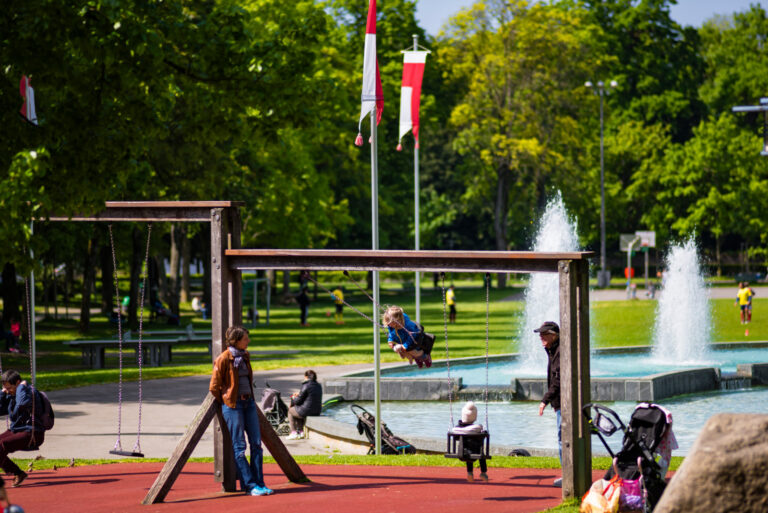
pixel 648 435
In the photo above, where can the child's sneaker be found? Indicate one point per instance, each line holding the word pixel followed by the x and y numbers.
pixel 470 477
pixel 484 476
pixel 428 361
pixel 419 363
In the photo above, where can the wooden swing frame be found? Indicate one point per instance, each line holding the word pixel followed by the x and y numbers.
pixel 228 261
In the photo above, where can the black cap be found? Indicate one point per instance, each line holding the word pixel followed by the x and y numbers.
pixel 548 327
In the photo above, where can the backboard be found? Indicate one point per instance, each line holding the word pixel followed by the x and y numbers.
pixel 625 239
pixel 647 239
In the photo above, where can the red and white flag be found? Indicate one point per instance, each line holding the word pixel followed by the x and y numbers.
pixel 372 96
pixel 410 94
pixel 28 108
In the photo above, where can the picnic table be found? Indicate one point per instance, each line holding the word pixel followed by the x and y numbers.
pixel 158 350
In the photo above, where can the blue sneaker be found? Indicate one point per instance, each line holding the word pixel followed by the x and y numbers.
pixel 261 490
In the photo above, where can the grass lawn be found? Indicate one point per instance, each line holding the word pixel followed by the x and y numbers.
pixel 614 323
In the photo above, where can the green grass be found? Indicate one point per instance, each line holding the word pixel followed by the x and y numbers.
pixel 614 323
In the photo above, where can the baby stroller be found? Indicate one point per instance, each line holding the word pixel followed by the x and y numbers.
pixel 275 410
pixel 648 426
pixel 390 444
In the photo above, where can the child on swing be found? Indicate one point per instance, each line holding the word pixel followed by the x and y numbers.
pixel 467 426
pixel 404 335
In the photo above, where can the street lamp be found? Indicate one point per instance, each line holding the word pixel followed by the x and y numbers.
pixel 603 276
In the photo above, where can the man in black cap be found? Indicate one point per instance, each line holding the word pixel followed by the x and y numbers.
pixel 549 333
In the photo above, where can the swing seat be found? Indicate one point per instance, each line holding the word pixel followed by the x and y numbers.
pixel 131 454
pixel 468 446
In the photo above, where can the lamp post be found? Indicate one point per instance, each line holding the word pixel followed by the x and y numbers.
pixel 603 276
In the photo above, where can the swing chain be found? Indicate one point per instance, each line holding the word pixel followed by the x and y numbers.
pixel 447 358
pixel 345 302
pixel 137 445
pixel 487 316
pixel 29 338
pixel 118 443
pixel 377 305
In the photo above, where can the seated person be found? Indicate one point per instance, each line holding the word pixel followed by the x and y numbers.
pixel 16 402
pixel 467 426
pixel 308 402
pixel 404 336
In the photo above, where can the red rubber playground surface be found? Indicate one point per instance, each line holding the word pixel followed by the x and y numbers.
pixel 334 488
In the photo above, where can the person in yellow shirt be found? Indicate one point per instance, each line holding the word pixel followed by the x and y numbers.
pixel 338 298
pixel 744 301
pixel 450 300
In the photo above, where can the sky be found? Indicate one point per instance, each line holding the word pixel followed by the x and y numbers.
pixel 432 14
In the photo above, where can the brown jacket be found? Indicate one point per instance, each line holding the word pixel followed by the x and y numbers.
pixel 224 380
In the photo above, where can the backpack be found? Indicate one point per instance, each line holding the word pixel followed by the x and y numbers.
pixel 46 416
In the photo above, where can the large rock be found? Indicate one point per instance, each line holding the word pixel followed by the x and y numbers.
pixel 726 470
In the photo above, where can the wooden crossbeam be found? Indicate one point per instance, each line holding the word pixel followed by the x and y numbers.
pixel 388 260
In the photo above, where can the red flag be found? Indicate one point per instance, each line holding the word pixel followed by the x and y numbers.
pixel 27 110
pixel 410 94
pixel 372 96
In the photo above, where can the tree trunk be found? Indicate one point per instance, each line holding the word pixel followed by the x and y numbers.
pixel 500 216
pixel 286 285
pixel 717 256
pixel 89 272
pixel 107 281
pixel 174 280
pixel 10 295
pixel 206 270
pixel 186 253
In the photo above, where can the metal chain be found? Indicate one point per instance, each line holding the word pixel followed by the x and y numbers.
pixel 29 354
pixel 137 445
pixel 345 302
pixel 377 305
pixel 487 316
pixel 118 443
pixel 447 359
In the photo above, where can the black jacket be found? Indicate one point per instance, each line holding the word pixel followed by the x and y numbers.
pixel 309 402
pixel 552 396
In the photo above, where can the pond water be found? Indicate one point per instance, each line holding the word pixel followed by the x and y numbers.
pixel 517 423
pixel 601 365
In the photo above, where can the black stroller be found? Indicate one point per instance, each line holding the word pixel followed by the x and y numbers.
pixel 647 427
pixel 275 410
pixel 390 444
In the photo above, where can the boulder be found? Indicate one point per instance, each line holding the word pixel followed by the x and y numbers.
pixel 726 470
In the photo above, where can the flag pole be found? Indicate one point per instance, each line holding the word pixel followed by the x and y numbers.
pixel 416 205
pixel 376 302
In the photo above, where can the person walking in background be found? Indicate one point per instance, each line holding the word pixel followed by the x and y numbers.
pixel 303 300
pixel 232 386
pixel 450 300
pixel 744 302
pixel 549 333
pixel 308 402
pixel 338 299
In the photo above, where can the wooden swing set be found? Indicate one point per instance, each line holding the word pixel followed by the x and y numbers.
pixel 228 260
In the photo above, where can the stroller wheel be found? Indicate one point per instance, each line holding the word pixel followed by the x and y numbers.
pixel 283 430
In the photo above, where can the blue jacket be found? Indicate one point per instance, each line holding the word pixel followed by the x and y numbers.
pixel 19 409
pixel 405 336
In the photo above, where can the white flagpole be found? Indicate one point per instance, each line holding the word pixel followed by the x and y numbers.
pixel 416 205
pixel 375 244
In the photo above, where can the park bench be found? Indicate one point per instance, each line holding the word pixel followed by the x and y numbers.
pixel 158 350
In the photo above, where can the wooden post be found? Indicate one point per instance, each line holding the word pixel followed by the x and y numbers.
pixel 184 448
pixel 225 471
pixel 574 376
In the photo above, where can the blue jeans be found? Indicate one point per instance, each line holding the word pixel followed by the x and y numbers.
pixel 241 420
pixel 559 437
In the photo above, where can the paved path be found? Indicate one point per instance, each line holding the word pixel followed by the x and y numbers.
pixel 86 417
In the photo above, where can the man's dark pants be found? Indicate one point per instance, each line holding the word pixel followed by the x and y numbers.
pixel 11 442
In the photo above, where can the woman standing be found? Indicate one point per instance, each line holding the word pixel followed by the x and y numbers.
pixel 232 386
